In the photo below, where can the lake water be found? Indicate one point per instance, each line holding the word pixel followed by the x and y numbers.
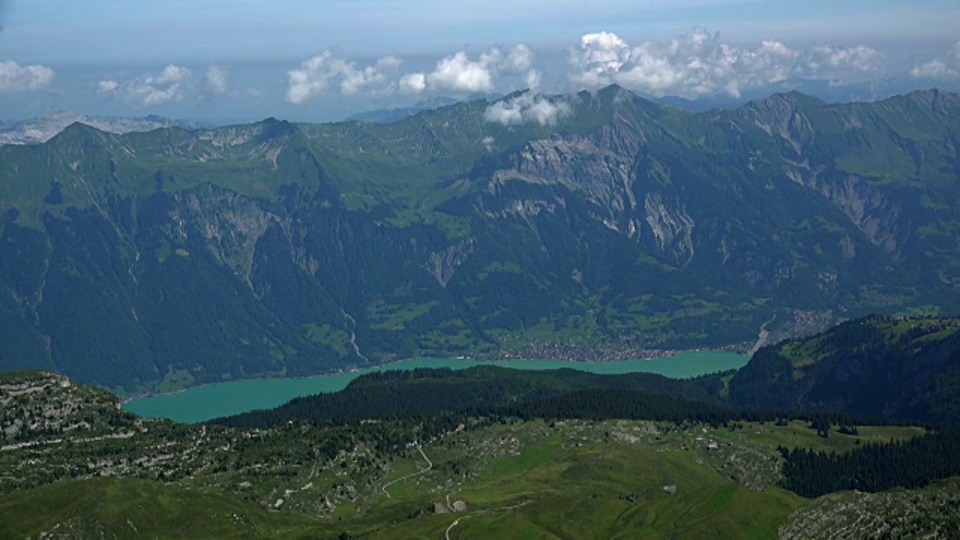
pixel 223 399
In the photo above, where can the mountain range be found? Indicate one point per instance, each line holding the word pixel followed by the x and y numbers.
pixel 43 128
pixel 589 226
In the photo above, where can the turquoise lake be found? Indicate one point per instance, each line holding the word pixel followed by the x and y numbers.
pixel 223 399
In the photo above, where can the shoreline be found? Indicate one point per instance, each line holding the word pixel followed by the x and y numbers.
pixel 661 354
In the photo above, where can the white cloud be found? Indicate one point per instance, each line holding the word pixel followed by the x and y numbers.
pixel 17 78
pixel 934 69
pixel 159 89
pixel 940 68
pixel 413 83
pixel 356 80
pixel 598 58
pixel 172 83
pixel 527 108
pixel 149 90
pixel 532 79
pixel 519 59
pixel 699 63
pixel 487 143
pixel 107 86
pixel 217 79
pixel 824 57
pixel 316 74
pixel 461 73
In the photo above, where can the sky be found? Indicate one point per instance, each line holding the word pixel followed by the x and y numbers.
pixel 242 60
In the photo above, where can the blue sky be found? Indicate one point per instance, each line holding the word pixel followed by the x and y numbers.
pixel 245 59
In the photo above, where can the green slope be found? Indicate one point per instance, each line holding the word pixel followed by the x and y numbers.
pixel 115 508
pixel 877 366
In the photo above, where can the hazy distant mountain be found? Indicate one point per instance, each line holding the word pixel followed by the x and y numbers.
pixel 388 116
pixel 825 90
pixel 274 247
pixel 43 128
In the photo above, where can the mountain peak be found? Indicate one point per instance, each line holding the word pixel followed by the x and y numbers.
pixel 935 99
pixel 76 129
pixel 793 97
pixel 273 129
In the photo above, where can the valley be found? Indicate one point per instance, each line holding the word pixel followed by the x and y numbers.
pixel 149 262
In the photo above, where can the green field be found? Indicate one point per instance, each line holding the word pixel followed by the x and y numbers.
pixel 564 479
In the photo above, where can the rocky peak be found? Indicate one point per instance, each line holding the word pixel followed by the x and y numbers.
pixel 936 100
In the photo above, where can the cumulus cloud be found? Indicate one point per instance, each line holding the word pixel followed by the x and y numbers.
pixel 599 57
pixel 832 59
pixel 316 74
pixel 527 108
pixel 151 89
pixel 940 68
pixel 413 83
pixel 355 80
pixel 699 63
pixel 17 78
pixel 107 86
pixel 519 59
pixel 461 73
pixel 217 79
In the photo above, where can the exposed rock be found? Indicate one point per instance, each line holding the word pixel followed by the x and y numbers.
pixel 444 263
pixel 231 229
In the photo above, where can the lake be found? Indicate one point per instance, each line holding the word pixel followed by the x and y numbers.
pixel 223 399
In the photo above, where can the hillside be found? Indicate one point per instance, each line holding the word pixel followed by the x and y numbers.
pixel 877 366
pixel 181 257
pixel 419 476
pixel 554 453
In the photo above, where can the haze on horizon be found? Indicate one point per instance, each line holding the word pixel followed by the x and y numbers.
pixel 242 60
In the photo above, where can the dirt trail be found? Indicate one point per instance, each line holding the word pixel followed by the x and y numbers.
pixel 411 475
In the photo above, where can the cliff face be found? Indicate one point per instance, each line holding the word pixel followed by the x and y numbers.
pixel 280 248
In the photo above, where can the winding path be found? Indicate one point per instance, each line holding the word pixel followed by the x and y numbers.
pixel 452 525
pixel 411 475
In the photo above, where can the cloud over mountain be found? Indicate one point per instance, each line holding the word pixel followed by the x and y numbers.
pixel 461 73
pixel 151 89
pixel 17 78
pixel 527 108
pixel 699 63
pixel 217 79
pixel 317 73
pixel 947 67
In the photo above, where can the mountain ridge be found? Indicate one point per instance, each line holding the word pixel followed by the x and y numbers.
pixel 43 128
pixel 622 226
